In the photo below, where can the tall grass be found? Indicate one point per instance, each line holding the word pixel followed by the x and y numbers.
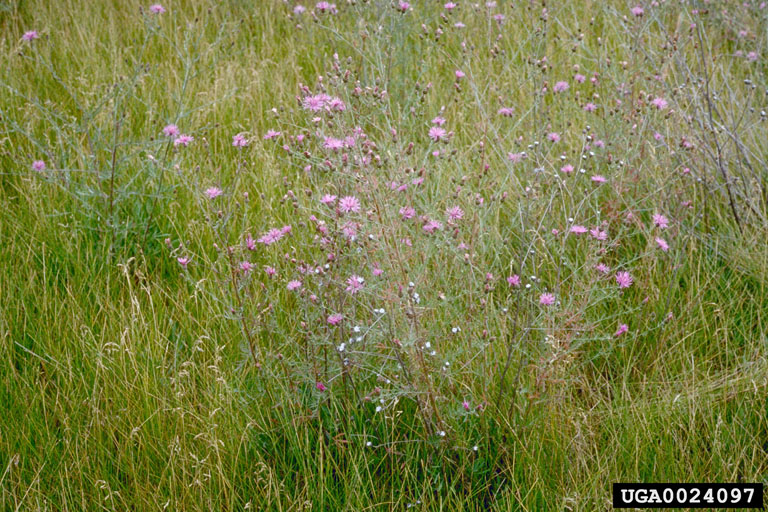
pixel 362 283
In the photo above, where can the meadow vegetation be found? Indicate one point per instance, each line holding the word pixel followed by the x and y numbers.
pixel 380 255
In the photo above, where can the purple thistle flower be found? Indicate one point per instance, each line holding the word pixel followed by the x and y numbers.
pixel 183 140
pixel 349 204
pixel 171 130
pixel 239 141
pixel 213 192
pixel 436 133
pixel 546 299
pixel 624 279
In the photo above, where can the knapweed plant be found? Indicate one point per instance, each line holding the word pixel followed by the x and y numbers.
pixel 379 254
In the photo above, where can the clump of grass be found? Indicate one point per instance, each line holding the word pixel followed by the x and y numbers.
pixel 380 254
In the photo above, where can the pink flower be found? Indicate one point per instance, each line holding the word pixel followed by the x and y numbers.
pixel 432 225
pixel 407 212
pixel 546 299
pixel 335 319
pixel 349 204
pixel 354 284
pixel 336 105
pixel 554 137
pixel 663 245
pixel 506 111
pixel 450 6
pixel 660 221
pixel 579 78
pixel 333 143
pixel 465 405
pixel 515 157
pixel 659 103
pixel 439 121
pixel 459 74
pixel 602 268
pixel 454 213
pixel 590 107
pixel 403 6
pixel 270 271
pixel 213 192
pixel 561 87
pixel 637 11
pixel 567 169
pixel 38 165
pixel 320 387
pixel 315 103
pixel 299 9
pixel 623 279
pixel 239 141
pixel 437 133
pixel 271 236
pixel 156 9
pixel 623 328
pixel 246 266
pixel 598 234
pixel 598 178
pixel 30 35
pixel 171 130
pixel 293 285
pixel 325 7
pixel 578 229
pixel 514 280
pixel 328 199
pixel 183 140
pixel 271 134
pixel 183 261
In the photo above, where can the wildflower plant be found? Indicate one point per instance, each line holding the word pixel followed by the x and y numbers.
pixel 416 253
pixel 124 174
